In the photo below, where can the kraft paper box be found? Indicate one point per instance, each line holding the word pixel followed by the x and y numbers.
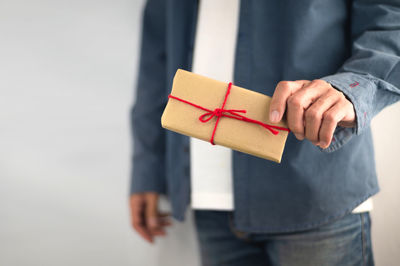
pixel 238 135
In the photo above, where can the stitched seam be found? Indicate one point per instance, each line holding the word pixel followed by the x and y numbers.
pixel 363 240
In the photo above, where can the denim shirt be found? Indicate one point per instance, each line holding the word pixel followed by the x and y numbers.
pixel 353 45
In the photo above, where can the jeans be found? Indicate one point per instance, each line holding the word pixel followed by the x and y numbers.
pixel 347 241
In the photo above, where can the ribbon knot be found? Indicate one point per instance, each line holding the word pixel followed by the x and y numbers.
pixel 218 111
pixel 231 113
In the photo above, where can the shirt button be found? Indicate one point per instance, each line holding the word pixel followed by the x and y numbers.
pixel 186 149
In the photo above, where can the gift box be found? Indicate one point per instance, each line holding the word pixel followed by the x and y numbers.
pixel 224 114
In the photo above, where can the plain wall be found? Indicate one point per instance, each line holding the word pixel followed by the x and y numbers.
pixel 67 73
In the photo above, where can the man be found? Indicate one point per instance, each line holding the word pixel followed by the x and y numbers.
pixel 331 66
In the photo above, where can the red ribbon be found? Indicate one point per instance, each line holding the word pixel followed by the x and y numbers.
pixel 231 113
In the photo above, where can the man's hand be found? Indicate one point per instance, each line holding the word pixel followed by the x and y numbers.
pixel 313 109
pixel 145 216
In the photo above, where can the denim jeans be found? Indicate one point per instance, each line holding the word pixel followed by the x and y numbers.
pixel 346 241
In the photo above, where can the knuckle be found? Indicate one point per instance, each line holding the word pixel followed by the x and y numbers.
pixel 333 95
pixel 294 101
pixel 312 114
pixel 319 82
pixel 330 117
pixel 284 85
pixel 341 95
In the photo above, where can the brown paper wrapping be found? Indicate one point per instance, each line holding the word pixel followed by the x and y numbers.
pixel 235 134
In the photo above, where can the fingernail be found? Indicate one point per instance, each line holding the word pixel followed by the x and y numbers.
pixel 274 116
pixel 322 144
pixel 299 136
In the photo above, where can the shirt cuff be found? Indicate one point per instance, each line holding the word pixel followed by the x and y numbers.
pixel 358 90
pixel 147 178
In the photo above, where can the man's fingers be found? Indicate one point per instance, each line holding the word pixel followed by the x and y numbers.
pixel 314 113
pixel 310 92
pixel 350 118
pixel 143 232
pixel 137 205
pixel 282 92
pixel 329 123
pixel 311 109
pixel 160 229
pixel 146 219
pixel 295 112
pixel 301 100
pixel 151 212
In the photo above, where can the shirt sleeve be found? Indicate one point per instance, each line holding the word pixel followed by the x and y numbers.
pixel 148 160
pixel 370 78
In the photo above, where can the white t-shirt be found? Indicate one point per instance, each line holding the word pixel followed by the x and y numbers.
pixel 214 54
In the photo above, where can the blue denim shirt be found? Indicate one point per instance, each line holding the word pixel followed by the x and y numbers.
pixel 354 45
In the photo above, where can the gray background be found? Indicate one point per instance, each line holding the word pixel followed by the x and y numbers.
pixel 67 70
